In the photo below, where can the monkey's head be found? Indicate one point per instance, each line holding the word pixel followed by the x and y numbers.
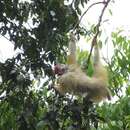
pixel 60 69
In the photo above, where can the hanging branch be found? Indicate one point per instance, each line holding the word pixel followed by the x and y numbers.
pixel 79 21
pixel 72 3
pixel 94 40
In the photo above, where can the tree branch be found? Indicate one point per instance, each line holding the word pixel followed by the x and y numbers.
pixel 86 12
pixel 72 3
pixel 5 37
pixel 94 40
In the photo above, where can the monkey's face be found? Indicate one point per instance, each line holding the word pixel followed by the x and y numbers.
pixel 60 69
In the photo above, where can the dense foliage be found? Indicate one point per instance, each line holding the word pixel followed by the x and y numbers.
pixel 28 100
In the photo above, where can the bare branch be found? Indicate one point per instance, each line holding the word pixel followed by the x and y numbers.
pixel 72 2
pixel 86 12
pixel 94 40
pixel 5 37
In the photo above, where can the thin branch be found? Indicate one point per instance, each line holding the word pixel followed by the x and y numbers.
pixel 86 12
pixel 13 23
pixel 94 40
pixel 5 37
pixel 72 3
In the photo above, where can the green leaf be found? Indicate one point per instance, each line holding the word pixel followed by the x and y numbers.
pixel 82 3
pixel 110 12
pixel 128 90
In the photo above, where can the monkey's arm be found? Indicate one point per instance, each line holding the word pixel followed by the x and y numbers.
pixel 71 58
pixel 100 76
pixel 100 71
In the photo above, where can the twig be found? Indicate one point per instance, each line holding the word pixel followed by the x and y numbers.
pixel 11 22
pixel 94 40
pixel 86 12
pixel 5 37
pixel 72 2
